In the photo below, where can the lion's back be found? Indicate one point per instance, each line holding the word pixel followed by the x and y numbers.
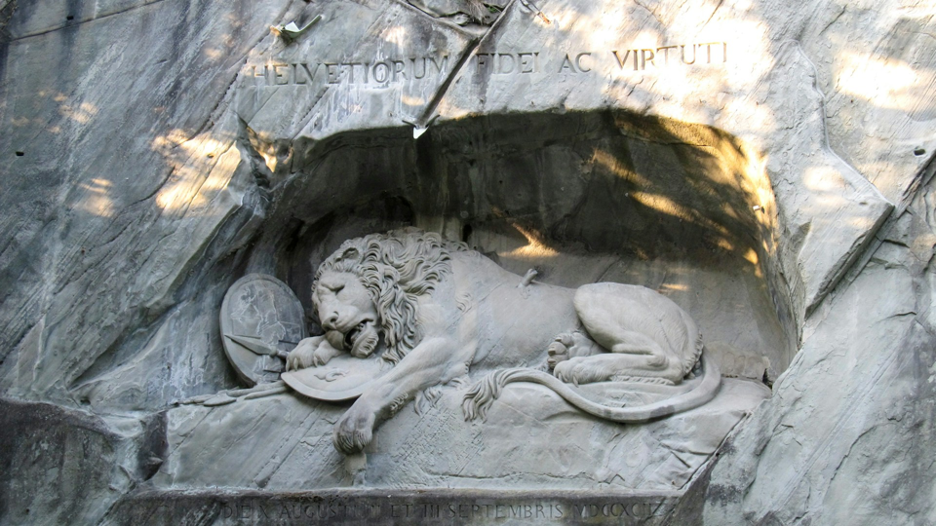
pixel 513 323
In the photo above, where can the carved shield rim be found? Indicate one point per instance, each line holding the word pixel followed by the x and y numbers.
pixel 239 357
pixel 300 380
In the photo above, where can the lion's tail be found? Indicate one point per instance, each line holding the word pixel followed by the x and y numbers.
pixel 482 395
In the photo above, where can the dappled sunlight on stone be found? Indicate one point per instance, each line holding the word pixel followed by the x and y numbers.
pixel 413 101
pixel 673 287
pixel 202 167
pixel 663 204
pixel 189 191
pixel 889 82
pixel 395 35
pixel 534 249
pixel 616 166
pixel 82 114
pixel 97 201
pixel 822 179
pixel 751 257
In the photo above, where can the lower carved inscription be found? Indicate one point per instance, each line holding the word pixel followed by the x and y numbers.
pixel 401 508
pixel 538 511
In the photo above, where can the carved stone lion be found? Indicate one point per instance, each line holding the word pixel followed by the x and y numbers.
pixel 435 310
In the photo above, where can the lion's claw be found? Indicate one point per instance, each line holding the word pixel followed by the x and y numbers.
pixel 558 350
pixel 565 371
pixel 302 356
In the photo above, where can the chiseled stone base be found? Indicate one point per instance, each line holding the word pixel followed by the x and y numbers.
pixel 531 440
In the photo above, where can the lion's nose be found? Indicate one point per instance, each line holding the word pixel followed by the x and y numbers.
pixel 330 322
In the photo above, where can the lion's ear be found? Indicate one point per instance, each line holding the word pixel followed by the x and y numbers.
pixel 351 253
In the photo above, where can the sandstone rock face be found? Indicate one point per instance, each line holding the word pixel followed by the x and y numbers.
pixel 766 166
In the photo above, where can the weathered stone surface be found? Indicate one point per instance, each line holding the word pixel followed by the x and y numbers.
pixel 850 427
pixel 152 228
pixel 284 443
pixel 64 467
pixel 142 174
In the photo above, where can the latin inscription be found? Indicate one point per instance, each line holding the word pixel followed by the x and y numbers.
pixel 507 63
pixel 376 73
pixel 375 507
pixel 624 512
pixel 383 73
pixel 640 59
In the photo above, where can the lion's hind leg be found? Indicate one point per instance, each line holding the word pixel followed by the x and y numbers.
pixel 617 318
pixel 612 367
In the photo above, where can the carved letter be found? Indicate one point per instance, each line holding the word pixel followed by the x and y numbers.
pixel 311 74
pixel 620 60
pixel 398 67
pixel 482 61
pixel 334 75
pixel 386 72
pixel 351 70
pixel 665 51
pixel 440 68
pixel 644 53
pixel 684 54
pixel 415 69
pixel 578 62
pixel 263 75
pixel 295 74
pixel 280 79
pixel 526 62
pixel 500 65
pixel 567 64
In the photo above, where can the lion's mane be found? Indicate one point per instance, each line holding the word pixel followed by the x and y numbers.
pixel 395 268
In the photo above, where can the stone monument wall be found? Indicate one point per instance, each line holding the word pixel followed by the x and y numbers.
pixel 764 165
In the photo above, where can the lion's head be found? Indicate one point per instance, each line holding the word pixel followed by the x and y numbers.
pixel 378 279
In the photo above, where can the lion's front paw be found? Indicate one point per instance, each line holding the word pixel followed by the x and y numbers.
pixel 354 431
pixel 303 355
pixel 324 354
